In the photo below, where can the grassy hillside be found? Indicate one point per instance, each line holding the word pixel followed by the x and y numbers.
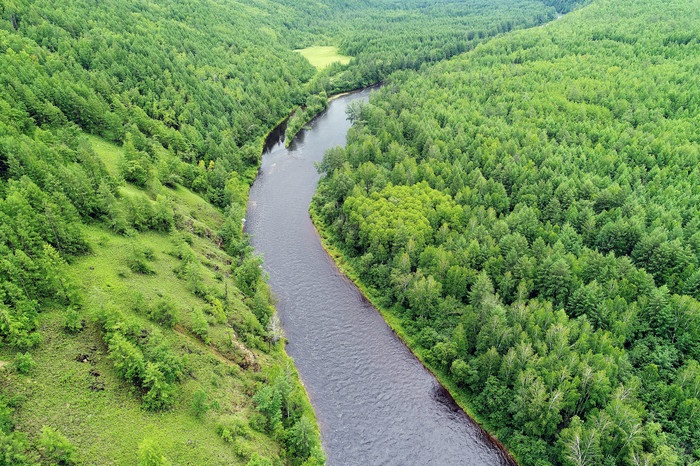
pixel 174 294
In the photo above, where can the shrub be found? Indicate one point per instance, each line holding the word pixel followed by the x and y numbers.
pixel 216 309
pixel 199 403
pixel 6 423
pixel 56 447
pixel 230 427
pixel 161 394
pixel 241 448
pixel 164 313
pixel 200 326
pixel 261 307
pixel 24 363
pixel 14 447
pixel 248 275
pixel 127 358
pixel 138 261
pixel 163 217
pixel 150 454
pixel 257 460
pixel 72 321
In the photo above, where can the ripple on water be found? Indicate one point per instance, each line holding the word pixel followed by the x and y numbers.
pixel 375 403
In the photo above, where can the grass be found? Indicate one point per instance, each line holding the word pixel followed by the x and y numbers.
pixel 74 387
pixel 107 424
pixel 321 56
pixel 108 152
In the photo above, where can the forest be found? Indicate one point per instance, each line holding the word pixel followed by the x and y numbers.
pixel 528 211
pixel 136 326
pixel 522 197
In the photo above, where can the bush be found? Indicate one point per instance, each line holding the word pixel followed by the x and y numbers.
pixel 230 427
pixel 199 403
pixel 261 307
pixel 72 321
pixel 200 326
pixel 257 460
pixel 24 363
pixel 56 447
pixel 258 422
pixel 249 275
pixel 164 313
pixel 216 309
pixel 241 448
pixel 6 423
pixel 163 217
pixel 14 447
pixel 127 358
pixel 161 394
pixel 150 454
pixel 138 261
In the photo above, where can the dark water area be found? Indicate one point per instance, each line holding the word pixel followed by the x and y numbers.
pixel 375 403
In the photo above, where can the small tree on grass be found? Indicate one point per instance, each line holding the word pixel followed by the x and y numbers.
pixel 200 326
pixel 150 454
pixel 164 312
pixel 72 321
pixel 24 363
pixel 56 447
pixel 199 403
pixel 138 261
pixel 257 460
pixel 161 394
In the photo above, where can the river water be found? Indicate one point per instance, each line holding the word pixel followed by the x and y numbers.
pixel 375 403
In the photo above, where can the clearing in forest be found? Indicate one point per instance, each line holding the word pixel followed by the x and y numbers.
pixel 322 56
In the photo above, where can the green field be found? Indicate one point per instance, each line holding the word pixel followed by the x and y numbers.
pixel 322 56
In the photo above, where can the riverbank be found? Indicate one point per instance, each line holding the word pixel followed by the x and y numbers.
pixel 302 116
pixel 375 402
pixel 345 265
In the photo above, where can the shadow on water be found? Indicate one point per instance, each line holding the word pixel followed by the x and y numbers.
pixel 276 136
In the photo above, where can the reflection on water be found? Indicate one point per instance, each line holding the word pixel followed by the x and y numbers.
pixel 375 403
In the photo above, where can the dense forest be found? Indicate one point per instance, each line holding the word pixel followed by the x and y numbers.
pixel 135 323
pixel 528 212
pixel 386 35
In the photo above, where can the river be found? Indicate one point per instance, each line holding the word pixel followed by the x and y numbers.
pixel 374 401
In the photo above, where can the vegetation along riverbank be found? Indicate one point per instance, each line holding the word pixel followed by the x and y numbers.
pixel 520 203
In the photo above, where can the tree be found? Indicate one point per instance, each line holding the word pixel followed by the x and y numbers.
pixel 150 454
pixel 134 167
pixel 56 448
pixel 423 295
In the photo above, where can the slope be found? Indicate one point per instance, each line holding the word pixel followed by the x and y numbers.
pixel 163 302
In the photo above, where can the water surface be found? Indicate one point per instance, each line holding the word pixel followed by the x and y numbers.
pixel 375 403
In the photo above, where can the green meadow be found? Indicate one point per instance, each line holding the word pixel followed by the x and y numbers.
pixel 322 56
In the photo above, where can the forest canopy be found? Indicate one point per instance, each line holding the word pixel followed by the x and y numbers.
pixel 529 210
